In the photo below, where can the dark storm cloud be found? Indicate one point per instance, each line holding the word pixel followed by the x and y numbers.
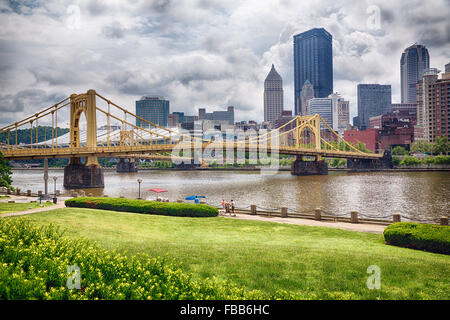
pixel 24 7
pixel 28 100
pixel 161 5
pixel 387 16
pixel 114 31
pixel 97 7
pixel 433 37
pixel 201 52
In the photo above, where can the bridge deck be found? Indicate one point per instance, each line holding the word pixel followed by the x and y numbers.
pixel 115 151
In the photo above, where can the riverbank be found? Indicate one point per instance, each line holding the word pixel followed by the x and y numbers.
pixel 281 168
pixel 314 262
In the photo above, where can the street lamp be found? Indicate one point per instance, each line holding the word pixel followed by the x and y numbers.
pixel 54 197
pixel 139 181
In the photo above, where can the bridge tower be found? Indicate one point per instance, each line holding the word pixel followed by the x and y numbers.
pixel 300 167
pixel 126 164
pixel 89 174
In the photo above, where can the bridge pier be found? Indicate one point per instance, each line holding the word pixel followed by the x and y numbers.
pixel 126 165
pixel 78 175
pixel 303 168
pixel 370 164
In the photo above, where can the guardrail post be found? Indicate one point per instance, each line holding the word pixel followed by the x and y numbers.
pixel 354 216
pixel 396 217
pixel 40 193
pixel 443 221
pixel 58 193
pixel 318 214
pixel 284 212
pixel 18 191
pixel 29 193
pixel 253 209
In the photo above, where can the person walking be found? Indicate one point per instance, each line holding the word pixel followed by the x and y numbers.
pixel 232 208
pixel 223 205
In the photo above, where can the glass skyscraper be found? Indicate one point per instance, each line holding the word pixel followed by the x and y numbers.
pixel 373 100
pixel 414 61
pixel 313 61
pixel 154 109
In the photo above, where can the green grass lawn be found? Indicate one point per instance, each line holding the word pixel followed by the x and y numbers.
pixel 317 262
pixel 16 207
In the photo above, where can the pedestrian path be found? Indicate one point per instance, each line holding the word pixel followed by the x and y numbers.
pixel 361 227
pixel 24 199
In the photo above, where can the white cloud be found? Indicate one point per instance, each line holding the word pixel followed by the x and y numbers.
pixel 203 53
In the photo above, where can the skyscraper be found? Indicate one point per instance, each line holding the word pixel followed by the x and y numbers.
pixel 436 105
pixel 341 112
pixel 313 61
pixel 414 61
pixel 373 100
pixel 273 96
pixel 154 109
pixel 324 107
pixel 306 94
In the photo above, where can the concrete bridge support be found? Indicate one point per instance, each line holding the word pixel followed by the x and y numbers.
pixel 371 164
pixel 126 165
pixel 78 175
pixel 303 168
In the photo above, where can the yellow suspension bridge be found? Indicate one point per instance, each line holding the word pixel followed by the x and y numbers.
pixel 302 136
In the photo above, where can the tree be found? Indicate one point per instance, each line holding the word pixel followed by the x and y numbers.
pixel 421 147
pixel 361 146
pixel 5 173
pixel 441 145
pixel 399 151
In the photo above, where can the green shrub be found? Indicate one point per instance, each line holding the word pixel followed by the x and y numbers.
pixel 409 161
pixel 144 206
pixel 395 161
pixel 442 159
pixel 399 151
pixel 34 263
pixel 429 160
pixel 413 235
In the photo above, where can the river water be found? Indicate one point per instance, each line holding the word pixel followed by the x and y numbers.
pixel 416 195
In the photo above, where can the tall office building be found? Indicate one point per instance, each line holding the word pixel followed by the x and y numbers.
pixel 340 113
pixel 154 109
pixel 313 61
pixel 273 96
pixel 414 61
pixel 217 115
pixel 436 102
pixel 324 107
pixel 373 100
pixel 306 94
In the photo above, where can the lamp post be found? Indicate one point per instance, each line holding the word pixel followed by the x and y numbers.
pixel 54 197
pixel 139 181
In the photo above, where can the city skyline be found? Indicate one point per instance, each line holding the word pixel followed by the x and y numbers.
pixel 219 60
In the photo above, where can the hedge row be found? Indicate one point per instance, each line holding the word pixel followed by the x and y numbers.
pixel 34 264
pixel 144 206
pixel 419 236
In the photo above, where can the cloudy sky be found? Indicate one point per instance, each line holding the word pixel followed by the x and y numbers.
pixel 201 53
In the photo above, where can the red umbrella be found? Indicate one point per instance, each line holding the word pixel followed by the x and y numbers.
pixel 157 190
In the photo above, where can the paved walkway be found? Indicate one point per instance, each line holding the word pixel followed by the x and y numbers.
pixel 361 227
pixel 24 199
